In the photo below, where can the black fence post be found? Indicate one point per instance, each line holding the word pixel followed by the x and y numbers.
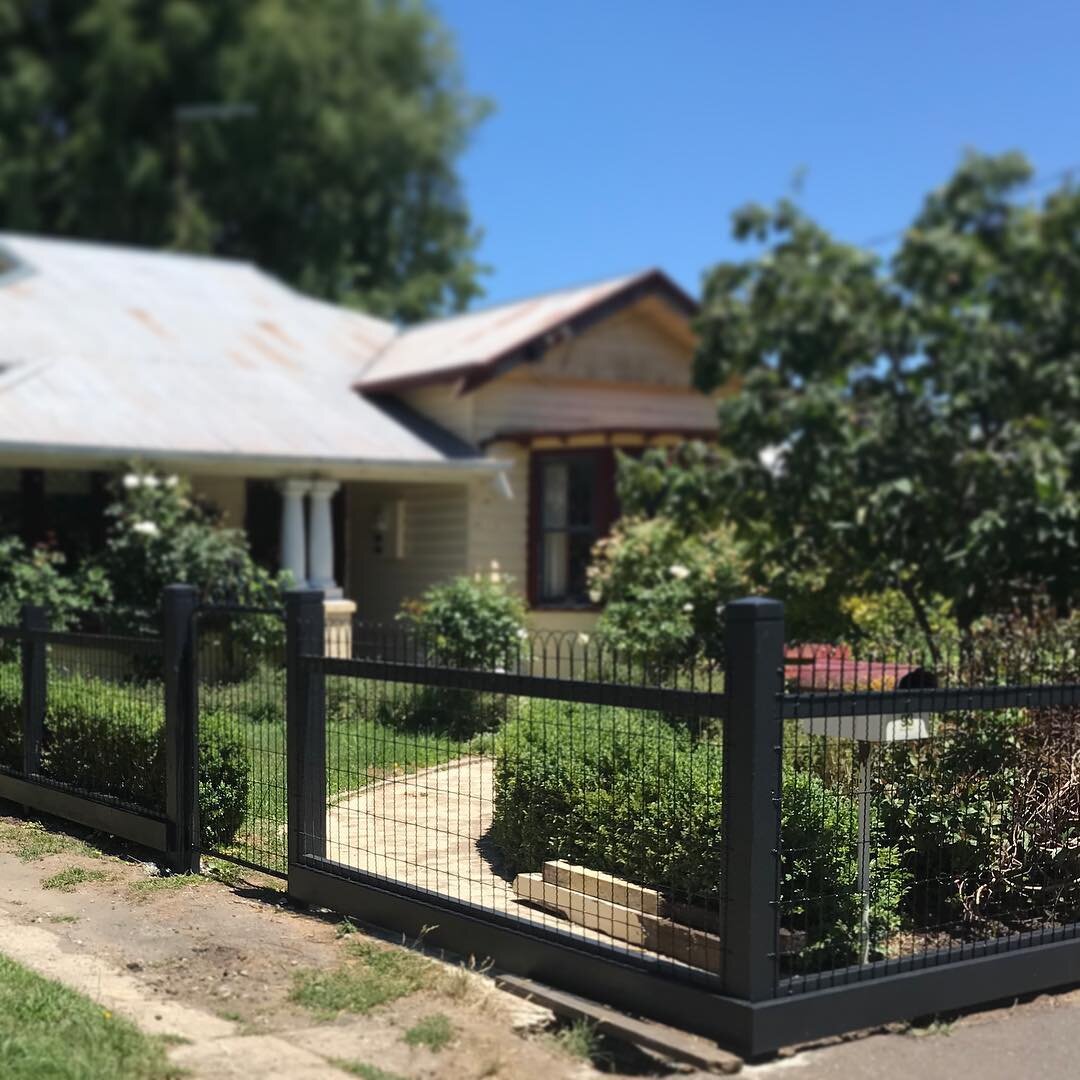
pixel 305 724
pixel 34 689
pixel 179 603
pixel 754 649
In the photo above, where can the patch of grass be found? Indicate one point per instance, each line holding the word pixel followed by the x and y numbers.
pixel 70 878
pixel 435 1032
pixel 579 1039
pixel 369 976
pixel 63 918
pixel 47 1030
pixel 226 872
pixel 361 1069
pixel 166 883
pixel 346 927
pixel 934 1027
pixel 30 841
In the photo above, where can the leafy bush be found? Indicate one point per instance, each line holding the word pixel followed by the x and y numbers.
pixel 41 576
pixel 468 622
pixel 988 810
pixel 883 623
pixel 640 796
pixel 463 623
pixel 160 534
pixel 107 739
pixel 662 587
pixel 619 791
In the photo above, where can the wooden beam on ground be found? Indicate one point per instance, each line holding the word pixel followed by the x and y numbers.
pixel 666 1041
pixel 651 932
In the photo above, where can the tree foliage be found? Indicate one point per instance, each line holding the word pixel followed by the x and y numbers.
pixel 336 173
pixel 909 423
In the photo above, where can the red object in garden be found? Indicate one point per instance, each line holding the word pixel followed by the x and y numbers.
pixel 815 666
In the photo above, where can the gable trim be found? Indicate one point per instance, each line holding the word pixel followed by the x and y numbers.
pixel 474 374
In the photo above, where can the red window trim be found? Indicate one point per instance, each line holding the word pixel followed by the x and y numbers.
pixel 605 511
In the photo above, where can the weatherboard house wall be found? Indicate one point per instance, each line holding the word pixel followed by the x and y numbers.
pixel 368 459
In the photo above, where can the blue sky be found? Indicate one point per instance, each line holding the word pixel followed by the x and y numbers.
pixel 627 131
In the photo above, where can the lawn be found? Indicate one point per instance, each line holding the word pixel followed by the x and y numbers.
pixel 368 738
pixel 47 1030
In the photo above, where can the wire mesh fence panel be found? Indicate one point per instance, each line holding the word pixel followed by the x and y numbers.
pixel 11 709
pixel 104 723
pixel 576 791
pixel 240 662
pixel 929 808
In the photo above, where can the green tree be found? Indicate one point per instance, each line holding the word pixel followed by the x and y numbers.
pixel 331 164
pixel 910 423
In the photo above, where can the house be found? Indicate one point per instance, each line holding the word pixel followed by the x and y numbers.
pixel 369 460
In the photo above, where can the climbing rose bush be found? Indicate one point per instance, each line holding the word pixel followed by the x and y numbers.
pixel 661 587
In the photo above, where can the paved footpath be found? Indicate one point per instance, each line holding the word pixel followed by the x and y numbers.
pixel 1040 1038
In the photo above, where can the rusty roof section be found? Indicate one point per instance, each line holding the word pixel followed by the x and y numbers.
pixel 132 352
pixel 479 345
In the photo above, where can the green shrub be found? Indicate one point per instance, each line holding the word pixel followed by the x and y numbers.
pixel 619 791
pixel 469 622
pixel 160 534
pixel 662 586
pixel 107 739
pixel 883 625
pixel 463 623
pixel 41 576
pixel 640 795
pixel 224 779
pixel 10 715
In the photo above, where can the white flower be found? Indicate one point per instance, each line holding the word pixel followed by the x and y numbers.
pixel 131 481
pixel 147 528
pixel 150 481
pixel 583 639
pixel 522 633
pixel 688 607
pixel 594 596
pixel 680 573
pixel 172 481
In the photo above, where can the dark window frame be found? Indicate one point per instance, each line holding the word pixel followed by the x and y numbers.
pixel 604 513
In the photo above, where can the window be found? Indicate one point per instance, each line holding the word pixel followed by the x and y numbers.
pixel 572 500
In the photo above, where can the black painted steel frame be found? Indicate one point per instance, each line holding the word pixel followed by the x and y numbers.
pixel 171 834
pixel 747 1007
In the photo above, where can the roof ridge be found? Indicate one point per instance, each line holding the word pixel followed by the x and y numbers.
pixel 132 249
pixel 526 298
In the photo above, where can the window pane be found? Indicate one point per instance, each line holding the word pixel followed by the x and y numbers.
pixel 555 493
pixel 577 590
pixel 582 493
pixel 554 563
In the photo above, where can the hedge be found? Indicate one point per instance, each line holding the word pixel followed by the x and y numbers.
pixel 106 738
pixel 640 795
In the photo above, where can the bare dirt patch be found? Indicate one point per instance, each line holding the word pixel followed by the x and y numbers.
pixel 234 954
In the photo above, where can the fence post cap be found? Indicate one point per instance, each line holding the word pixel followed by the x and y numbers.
pixel 179 588
pixel 753 609
pixel 304 596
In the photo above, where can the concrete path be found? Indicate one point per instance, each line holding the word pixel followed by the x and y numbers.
pixel 1040 1039
pixel 428 829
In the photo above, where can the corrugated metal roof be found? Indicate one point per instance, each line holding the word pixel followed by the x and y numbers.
pixel 150 353
pixel 468 343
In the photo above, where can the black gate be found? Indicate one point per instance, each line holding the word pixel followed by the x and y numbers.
pixel 240 702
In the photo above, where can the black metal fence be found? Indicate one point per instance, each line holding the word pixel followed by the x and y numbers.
pixel 763 844
pixel 89 728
